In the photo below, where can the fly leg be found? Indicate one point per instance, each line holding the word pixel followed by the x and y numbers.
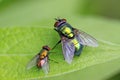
pixel 56 44
pixel 53 60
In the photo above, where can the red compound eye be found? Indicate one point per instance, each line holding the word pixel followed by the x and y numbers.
pixel 59 21
pixel 46 47
pixel 56 24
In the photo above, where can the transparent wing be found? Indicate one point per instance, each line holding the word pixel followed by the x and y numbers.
pixel 68 50
pixel 33 62
pixel 45 66
pixel 85 39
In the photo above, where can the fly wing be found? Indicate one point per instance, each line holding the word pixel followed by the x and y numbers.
pixel 68 50
pixel 45 65
pixel 85 39
pixel 33 62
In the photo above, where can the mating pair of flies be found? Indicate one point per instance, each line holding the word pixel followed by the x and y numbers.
pixel 72 40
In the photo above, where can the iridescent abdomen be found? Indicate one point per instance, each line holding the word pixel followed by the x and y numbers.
pixel 76 44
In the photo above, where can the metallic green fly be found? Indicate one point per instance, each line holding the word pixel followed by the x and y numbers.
pixel 72 39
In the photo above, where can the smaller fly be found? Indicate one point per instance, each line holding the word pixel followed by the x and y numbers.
pixel 72 39
pixel 41 60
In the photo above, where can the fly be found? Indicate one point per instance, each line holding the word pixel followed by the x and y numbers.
pixel 72 39
pixel 41 60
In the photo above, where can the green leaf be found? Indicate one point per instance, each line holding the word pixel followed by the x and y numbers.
pixel 20 44
pixel 103 71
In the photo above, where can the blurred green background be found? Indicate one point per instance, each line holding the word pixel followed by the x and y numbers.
pixel 101 18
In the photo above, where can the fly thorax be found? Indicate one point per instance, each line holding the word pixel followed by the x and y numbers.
pixel 67 32
pixel 76 44
pixel 43 54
